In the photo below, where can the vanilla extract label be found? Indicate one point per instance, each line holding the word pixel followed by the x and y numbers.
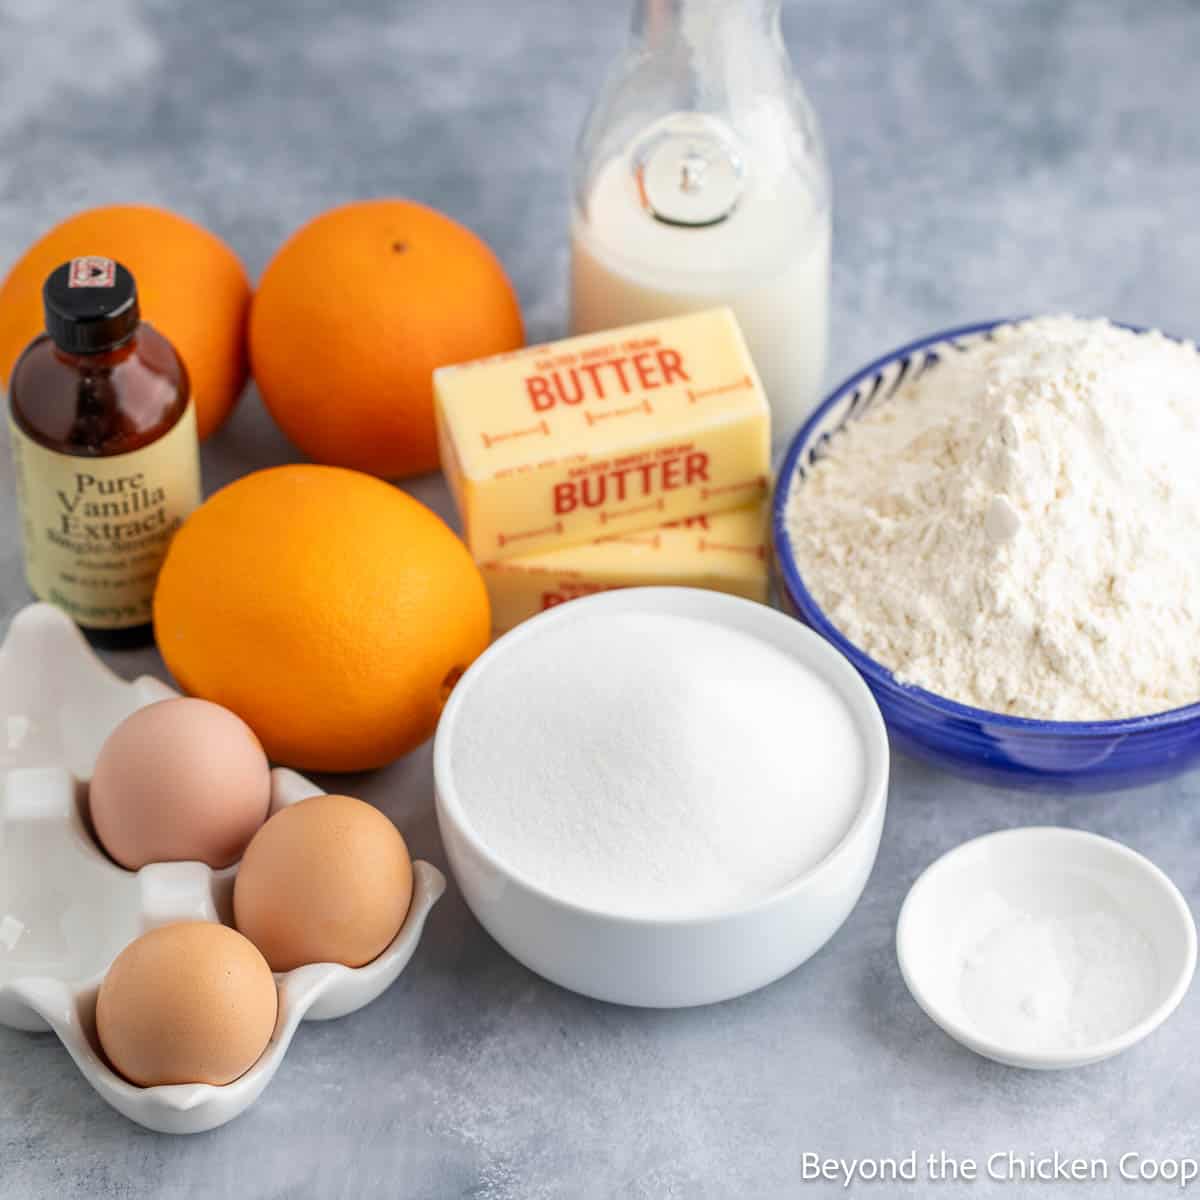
pixel 96 530
pixel 84 517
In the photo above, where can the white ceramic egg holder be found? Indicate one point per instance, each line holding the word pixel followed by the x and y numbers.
pixel 66 910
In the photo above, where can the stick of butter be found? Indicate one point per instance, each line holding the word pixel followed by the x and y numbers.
pixel 726 552
pixel 609 433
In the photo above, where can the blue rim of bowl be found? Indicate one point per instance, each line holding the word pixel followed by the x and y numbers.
pixel 875 672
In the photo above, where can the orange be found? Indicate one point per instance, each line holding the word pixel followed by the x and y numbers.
pixel 191 287
pixel 331 611
pixel 353 314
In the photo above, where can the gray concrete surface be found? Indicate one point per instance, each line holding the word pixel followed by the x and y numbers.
pixel 992 157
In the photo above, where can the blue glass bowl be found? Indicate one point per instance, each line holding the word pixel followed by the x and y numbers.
pixel 1045 756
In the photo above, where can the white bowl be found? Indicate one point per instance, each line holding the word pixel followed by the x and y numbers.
pixel 1041 872
pixel 668 963
pixel 67 910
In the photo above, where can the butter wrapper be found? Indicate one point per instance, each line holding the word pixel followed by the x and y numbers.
pixel 726 552
pixel 605 434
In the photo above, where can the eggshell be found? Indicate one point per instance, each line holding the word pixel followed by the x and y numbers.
pixel 180 780
pixel 326 880
pixel 192 1002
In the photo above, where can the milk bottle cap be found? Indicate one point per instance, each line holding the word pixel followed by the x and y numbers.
pixel 691 176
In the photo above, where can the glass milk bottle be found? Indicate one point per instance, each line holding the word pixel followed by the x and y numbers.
pixel 701 180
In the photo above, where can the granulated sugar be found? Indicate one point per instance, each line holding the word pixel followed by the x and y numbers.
pixel 655 765
pixel 1019 528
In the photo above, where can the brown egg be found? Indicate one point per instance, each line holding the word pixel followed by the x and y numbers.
pixel 180 780
pixel 192 1002
pixel 326 880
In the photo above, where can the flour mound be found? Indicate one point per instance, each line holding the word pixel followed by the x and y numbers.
pixel 1019 528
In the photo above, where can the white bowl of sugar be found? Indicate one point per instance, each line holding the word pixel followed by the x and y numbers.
pixel 661 796
pixel 1045 947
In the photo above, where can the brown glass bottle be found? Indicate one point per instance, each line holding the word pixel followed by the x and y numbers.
pixel 103 386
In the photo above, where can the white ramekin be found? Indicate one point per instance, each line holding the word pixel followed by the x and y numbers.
pixel 1034 869
pixel 674 962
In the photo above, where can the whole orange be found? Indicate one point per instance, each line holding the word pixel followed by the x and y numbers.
pixel 353 314
pixel 191 287
pixel 331 611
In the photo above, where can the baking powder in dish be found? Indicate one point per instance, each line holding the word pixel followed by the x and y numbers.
pixel 1057 979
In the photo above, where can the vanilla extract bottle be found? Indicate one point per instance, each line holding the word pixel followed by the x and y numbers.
pixel 103 433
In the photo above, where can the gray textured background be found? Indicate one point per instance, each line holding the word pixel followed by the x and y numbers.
pixel 988 157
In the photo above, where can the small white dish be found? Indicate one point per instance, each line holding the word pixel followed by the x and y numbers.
pixel 668 963
pixel 67 910
pixel 1047 879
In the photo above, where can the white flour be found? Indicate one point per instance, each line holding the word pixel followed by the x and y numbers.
pixel 1054 981
pixel 655 765
pixel 1019 529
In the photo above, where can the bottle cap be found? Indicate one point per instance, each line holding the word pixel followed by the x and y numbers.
pixel 91 305
pixel 689 174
